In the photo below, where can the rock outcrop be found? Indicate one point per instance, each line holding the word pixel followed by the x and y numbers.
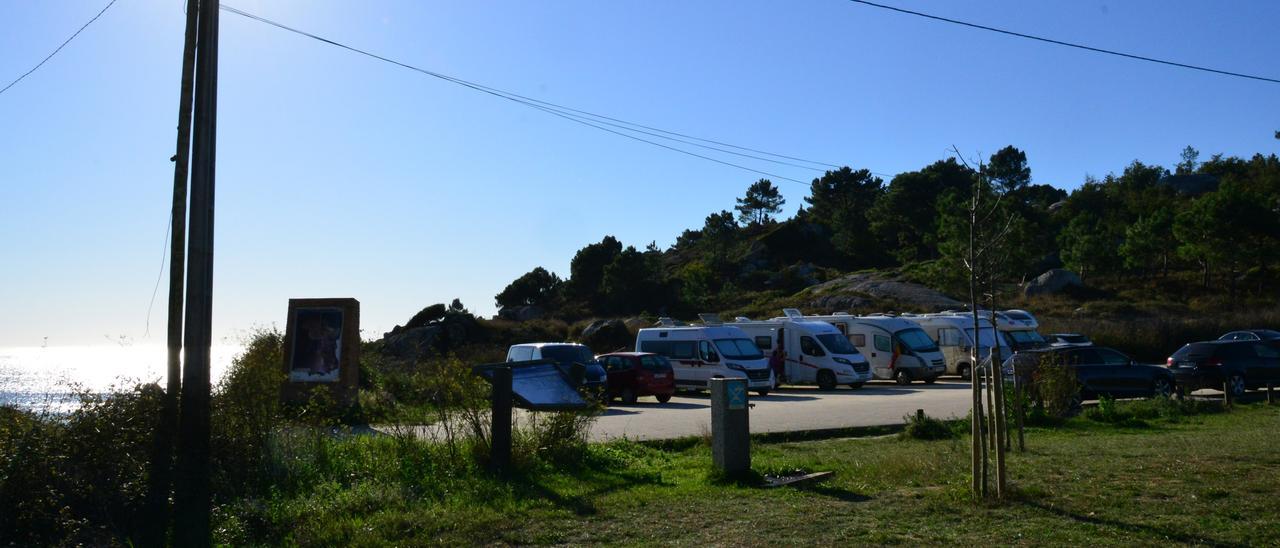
pixel 521 313
pixel 1051 282
pixel 608 336
pixel 862 289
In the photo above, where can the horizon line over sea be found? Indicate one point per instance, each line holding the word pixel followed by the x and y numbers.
pixel 49 378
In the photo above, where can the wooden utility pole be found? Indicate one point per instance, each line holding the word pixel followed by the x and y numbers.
pixel 192 500
pixel 162 457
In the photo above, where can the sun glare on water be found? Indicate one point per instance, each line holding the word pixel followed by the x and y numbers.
pixel 48 378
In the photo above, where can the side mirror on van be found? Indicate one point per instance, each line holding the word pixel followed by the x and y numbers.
pixel 713 357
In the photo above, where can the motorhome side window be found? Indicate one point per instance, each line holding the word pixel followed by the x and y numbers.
pixel 679 350
pixel 882 343
pixel 810 347
pixel 858 339
pixel 764 342
pixel 948 336
pixel 705 352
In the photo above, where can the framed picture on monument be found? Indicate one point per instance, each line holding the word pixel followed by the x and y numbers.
pixel 321 348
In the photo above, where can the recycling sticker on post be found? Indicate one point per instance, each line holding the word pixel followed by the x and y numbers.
pixel 737 395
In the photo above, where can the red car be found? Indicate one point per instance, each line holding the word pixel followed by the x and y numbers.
pixel 635 374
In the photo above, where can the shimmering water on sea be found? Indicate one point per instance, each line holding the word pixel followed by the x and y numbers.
pixel 49 378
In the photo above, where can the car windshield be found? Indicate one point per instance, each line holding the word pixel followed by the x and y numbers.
pixel 1026 336
pixel 1018 316
pixel 567 353
pixel 738 349
pixel 916 339
pixel 1073 338
pixel 837 344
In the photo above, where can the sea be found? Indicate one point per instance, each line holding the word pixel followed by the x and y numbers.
pixel 49 379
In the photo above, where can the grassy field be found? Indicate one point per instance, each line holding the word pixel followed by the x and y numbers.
pixel 1206 479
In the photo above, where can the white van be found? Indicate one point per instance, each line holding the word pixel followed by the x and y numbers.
pixel 896 348
pixel 956 338
pixel 808 352
pixel 701 353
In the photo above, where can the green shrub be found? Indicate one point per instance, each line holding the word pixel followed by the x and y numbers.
pixel 923 427
pixel 1055 388
pixel 245 412
pixel 80 478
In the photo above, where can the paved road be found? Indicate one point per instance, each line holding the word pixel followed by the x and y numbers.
pixel 788 409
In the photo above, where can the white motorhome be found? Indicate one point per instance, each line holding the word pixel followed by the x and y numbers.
pixel 700 353
pixel 1020 327
pixel 808 352
pixel 956 338
pixel 896 348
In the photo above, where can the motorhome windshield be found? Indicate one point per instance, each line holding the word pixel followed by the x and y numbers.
pixel 916 339
pixel 988 337
pixel 738 349
pixel 1025 337
pixel 567 353
pixel 837 344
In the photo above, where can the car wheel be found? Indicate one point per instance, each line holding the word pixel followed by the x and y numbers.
pixel 901 378
pixel 965 373
pixel 855 385
pixel 1161 388
pixel 762 393
pixel 664 398
pixel 826 380
pixel 628 395
pixel 1236 384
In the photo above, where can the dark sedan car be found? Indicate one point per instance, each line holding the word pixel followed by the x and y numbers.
pixel 1240 364
pixel 1251 335
pixel 1099 370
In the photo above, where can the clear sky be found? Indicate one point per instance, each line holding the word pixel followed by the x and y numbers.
pixel 340 176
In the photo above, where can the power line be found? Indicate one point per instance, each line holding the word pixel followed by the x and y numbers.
pixel 596 121
pixel 1067 44
pixel 64 44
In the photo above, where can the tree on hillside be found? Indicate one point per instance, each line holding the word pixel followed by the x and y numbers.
pixel 760 204
pixel 536 287
pixel 1229 229
pixel 1190 157
pixel 841 201
pixel 1085 247
pixel 904 220
pixel 632 283
pixel 586 270
pixel 1008 170
pixel 1016 247
pixel 1149 242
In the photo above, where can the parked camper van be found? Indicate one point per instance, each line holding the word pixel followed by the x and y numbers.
pixel 703 352
pixel 810 352
pixel 956 338
pixel 896 348
pixel 1019 326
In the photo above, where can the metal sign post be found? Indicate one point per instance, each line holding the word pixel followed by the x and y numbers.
pixel 730 431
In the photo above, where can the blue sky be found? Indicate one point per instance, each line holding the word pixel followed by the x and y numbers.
pixel 342 176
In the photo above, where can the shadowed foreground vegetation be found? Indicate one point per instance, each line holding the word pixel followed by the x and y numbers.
pixel 1200 480
pixel 1125 473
